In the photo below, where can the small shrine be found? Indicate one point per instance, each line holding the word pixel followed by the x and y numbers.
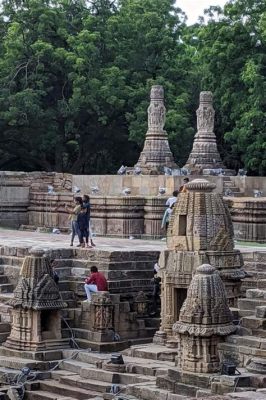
pixel 204 320
pixel 36 305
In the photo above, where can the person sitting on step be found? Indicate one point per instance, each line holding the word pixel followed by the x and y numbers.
pixel 96 282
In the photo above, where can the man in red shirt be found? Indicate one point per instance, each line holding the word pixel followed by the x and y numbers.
pixel 95 283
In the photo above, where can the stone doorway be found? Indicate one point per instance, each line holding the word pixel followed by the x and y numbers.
pixel 180 296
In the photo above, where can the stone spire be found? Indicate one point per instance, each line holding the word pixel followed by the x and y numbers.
pixel 204 154
pixel 204 318
pixel 156 153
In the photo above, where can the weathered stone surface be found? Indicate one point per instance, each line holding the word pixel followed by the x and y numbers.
pixel 36 323
pixel 200 232
pixel 156 153
pixel 204 154
pixel 249 218
pixel 204 318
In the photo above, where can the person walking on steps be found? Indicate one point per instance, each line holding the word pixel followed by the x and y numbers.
pixel 96 282
pixel 73 217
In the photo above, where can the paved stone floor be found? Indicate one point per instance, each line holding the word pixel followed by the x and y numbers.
pixel 48 240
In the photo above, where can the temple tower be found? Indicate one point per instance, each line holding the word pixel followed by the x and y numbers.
pixel 156 153
pixel 204 154
pixel 204 320
pixel 36 324
pixel 200 232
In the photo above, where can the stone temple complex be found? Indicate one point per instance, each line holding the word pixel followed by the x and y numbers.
pixel 204 154
pixel 156 153
pixel 203 337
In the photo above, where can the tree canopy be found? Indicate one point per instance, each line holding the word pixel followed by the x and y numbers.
pixel 75 78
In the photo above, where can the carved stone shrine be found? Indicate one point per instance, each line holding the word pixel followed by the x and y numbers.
pixel 204 320
pixel 156 153
pixel 200 232
pixel 36 305
pixel 204 154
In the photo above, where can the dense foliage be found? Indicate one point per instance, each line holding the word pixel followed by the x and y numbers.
pixel 75 78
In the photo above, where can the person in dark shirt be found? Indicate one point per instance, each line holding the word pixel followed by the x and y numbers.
pixel 87 205
pixel 83 225
pixel 96 282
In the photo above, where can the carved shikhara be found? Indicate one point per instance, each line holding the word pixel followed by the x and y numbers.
pixel 204 154
pixel 36 305
pixel 200 232
pixel 204 319
pixel 156 153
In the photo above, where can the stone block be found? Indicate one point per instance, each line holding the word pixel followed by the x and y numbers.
pixel 261 312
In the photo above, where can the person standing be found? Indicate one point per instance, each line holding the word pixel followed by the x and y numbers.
pixel 73 216
pixel 87 205
pixel 171 200
pixel 96 282
pixel 83 225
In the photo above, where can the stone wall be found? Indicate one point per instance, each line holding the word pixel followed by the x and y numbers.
pixel 248 217
pixel 140 185
pixel 24 200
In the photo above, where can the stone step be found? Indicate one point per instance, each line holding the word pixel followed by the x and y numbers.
pixel 91 372
pixel 67 295
pixel 6 288
pixel 256 294
pixel 250 304
pixel 154 352
pixel 87 384
pixel 63 285
pixel 3 279
pixel 44 395
pixel 252 341
pixel 11 260
pixel 152 392
pixel 6 297
pixel 65 390
pixel 253 322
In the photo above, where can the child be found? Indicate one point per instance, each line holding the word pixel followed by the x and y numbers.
pixel 83 225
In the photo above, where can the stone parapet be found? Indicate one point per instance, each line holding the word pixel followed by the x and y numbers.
pixel 249 218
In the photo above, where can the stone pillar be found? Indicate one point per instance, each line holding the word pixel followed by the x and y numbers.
pixel 156 153
pixel 204 320
pixel 204 154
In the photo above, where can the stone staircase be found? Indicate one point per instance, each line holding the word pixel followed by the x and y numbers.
pixel 87 375
pixel 229 188
pixel 255 266
pixel 250 340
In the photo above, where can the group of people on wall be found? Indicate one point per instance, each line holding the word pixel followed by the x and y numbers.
pixel 79 216
pixel 171 202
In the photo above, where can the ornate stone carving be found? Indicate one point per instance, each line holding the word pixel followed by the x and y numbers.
pixel 102 308
pixel 36 320
pixel 156 153
pixel 204 154
pixel 204 318
pixel 141 304
pixel 200 231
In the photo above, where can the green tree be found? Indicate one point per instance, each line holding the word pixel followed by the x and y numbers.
pixel 232 50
